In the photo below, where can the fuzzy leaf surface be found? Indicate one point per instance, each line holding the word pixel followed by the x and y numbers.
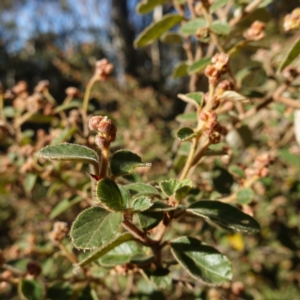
pixel 105 248
pixel 156 29
pixel 185 134
pixel 224 214
pixel 201 261
pixel 109 194
pixel 141 204
pixel 124 162
pixel 71 152
pixel 94 227
pixel 142 189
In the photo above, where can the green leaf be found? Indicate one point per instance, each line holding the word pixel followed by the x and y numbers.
pixel 202 261
pixel 233 96
pixel 72 104
pixel 124 162
pixel 171 38
pixel 121 254
pixel 94 227
pixel 182 189
pixel 125 195
pixel 149 220
pixel 180 70
pixel 187 117
pixel 161 206
pixel 199 65
pixel 145 6
pixel 220 27
pixel 177 188
pixel 63 136
pixel 237 171
pixel 168 186
pixel 41 119
pixel 59 291
pixel 141 204
pixel 244 196
pixel 217 4
pixel 29 182
pixel 142 189
pixel 185 134
pixel 197 97
pixel 224 214
pixel 156 29
pixel 292 53
pixel 71 152
pixel 289 157
pixel 105 248
pixel 109 194
pixel 191 27
pixel 31 289
pixel 62 206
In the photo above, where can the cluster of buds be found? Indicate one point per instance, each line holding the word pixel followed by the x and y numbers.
pixel 260 167
pixel 222 86
pixel 106 129
pixel 102 69
pixel 292 20
pixel 256 32
pixel 218 67
pixel 59 231
pixel 211 127
pixel 42 86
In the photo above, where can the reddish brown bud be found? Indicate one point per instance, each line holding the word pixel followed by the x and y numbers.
pixel 212 73
pixel 94 122
pixel 33 268
pixel 255 32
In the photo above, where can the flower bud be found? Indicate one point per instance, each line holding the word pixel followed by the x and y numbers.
pixel 103 68
pixel 212 73
pixel 71 91
pixel 41 86
pixel 59 231
pixel 220 62
pixel 255 32
pixel 33 268
pixel 292 20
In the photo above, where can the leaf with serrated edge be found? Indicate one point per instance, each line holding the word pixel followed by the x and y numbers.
pixel 201 261
pixel 156 29
pixel 94 227
pixel 70 152
pixel 106 248
pixel 124 162
pixel 168 186
pixel 224 214
pixel 109 194
pixel 141 204
pixel 185 134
